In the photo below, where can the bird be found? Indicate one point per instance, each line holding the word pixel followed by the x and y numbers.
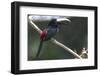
pixel 49 32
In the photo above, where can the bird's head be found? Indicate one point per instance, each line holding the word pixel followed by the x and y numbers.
pixel 59 21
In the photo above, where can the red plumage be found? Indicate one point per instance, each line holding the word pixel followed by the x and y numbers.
pixel 43 34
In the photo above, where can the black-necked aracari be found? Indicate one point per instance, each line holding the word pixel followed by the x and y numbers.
pixel 49 32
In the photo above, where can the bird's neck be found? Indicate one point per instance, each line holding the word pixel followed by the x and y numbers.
pixel 53 26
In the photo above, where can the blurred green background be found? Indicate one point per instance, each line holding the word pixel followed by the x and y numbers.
pixel 73 34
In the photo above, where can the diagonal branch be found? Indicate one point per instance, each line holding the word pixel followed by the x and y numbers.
pixel 35 27
pixel 54 40
pixel 66 48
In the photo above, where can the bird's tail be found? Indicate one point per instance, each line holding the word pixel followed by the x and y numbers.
pixel 39 49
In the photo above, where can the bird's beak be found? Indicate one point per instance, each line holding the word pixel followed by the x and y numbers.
pixel 63 20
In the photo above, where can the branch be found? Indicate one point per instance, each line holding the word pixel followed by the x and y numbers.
pixel 54 40
pixel 34 25
pixel 65 47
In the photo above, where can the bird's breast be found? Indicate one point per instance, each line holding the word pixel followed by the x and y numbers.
pixel 48 33
pixel 51 33
pixel 43 34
